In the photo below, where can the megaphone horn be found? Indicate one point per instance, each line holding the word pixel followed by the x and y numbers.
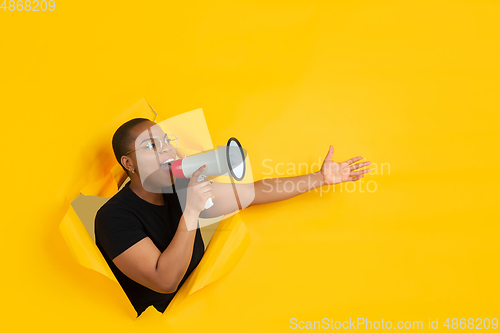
pixel 228 159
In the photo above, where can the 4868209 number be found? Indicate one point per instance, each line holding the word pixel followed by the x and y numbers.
pixel 28 5
pixel 471 323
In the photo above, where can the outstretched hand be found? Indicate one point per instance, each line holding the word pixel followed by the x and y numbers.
pixel 334 173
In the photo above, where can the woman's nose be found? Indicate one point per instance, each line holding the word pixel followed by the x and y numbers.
pixel 167 148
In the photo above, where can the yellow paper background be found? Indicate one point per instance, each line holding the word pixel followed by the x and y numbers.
pixel 412 84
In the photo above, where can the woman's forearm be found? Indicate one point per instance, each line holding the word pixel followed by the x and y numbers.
pixel 277 189
pixel 174 261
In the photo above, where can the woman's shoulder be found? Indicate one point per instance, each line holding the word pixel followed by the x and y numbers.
pixel 121 202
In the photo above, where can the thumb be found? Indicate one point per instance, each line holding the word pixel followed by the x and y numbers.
pixel 329 156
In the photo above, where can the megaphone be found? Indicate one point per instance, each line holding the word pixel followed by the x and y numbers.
pixel 228 159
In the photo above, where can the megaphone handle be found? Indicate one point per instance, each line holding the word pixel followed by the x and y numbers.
pixel 209 202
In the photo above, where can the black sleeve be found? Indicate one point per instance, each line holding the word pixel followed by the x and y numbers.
pixel 117 230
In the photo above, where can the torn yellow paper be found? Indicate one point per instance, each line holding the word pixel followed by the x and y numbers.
pixel 104 178
pixel 227 246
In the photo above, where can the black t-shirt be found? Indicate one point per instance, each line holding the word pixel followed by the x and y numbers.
pixel 125 219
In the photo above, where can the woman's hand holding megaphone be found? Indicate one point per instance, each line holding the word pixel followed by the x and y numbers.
pixel 198 192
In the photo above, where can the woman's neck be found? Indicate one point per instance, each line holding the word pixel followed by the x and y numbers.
pixel 153 198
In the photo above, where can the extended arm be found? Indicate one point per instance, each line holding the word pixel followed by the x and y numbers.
pixel 331 173
pixel 228 199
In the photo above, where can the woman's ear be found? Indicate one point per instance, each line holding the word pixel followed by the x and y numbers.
pixel 127 163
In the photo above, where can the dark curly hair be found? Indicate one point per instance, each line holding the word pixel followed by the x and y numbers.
pixel 122 140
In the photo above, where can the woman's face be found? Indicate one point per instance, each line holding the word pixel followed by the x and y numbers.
pixel 150 156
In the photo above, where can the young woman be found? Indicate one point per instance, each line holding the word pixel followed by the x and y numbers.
pixel 148 232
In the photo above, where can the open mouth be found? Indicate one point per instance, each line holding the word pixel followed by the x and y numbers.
pixel 165 166
pixel 169 161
